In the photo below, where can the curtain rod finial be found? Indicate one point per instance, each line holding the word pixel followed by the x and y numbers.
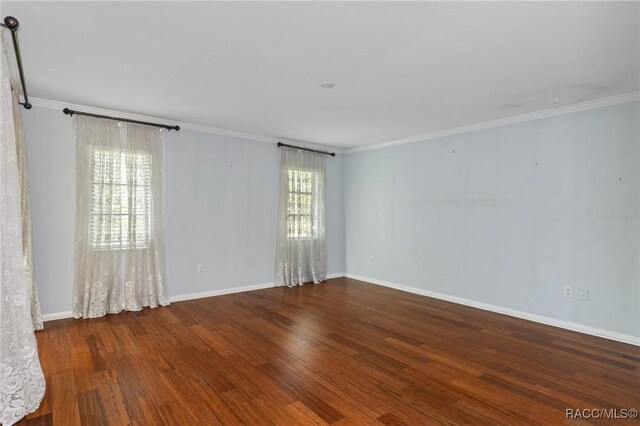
pixel 11 23
pixel 27 105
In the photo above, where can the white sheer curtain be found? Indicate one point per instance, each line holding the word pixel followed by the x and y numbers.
pixel 25 203
pixel 301 246
pixel 120 261
pixel 22 383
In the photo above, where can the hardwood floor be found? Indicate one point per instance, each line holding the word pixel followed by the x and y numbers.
pixel 343 352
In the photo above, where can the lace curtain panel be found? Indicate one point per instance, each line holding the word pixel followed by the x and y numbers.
pixel 25 203
pixel 22 383
pixel 301 246
pixel 120 262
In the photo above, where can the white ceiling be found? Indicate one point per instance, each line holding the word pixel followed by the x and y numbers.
pixel 400 69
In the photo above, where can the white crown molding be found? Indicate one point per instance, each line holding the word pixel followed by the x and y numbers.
pixel 546 113
pixel 47 103
pixel 551 112
pixel 193 296
pixel 607 334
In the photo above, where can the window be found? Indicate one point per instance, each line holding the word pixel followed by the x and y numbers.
pixel 120 199
pixel 302 204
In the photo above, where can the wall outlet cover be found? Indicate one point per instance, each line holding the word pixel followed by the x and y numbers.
pixel 568 291
pixel 584 294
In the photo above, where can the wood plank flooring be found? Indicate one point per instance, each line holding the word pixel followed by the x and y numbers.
pixel 343 352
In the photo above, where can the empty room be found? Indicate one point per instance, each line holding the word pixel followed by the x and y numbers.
pixel 312 213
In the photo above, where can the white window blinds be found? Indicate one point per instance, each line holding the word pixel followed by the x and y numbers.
pixel 302 215
pixel 120 199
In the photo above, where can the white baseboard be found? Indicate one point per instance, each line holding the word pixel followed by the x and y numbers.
pixel 612 335
pixel 211 293
pixel 232 290
pixel 338 275
pixel 192 296
pixel 57 316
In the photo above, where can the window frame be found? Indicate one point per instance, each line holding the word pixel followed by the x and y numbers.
pixel 314 203
pixel 94 225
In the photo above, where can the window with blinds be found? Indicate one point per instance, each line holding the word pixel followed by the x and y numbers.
pixel 120 199
pixel 302 217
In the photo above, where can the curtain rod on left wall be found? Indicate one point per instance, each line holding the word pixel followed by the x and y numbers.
pixel 12 25
pixel 70 112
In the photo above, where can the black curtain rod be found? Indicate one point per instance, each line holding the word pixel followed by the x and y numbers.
pixel 164 126
pixel 333 154
pixel 12 24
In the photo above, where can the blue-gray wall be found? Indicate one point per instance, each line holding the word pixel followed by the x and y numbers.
pixel 515 214
pixel 220 203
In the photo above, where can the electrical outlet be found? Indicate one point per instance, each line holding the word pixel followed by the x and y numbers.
pixel 584 294
pixel 201 269
pixel 370 259
pixel 568 291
